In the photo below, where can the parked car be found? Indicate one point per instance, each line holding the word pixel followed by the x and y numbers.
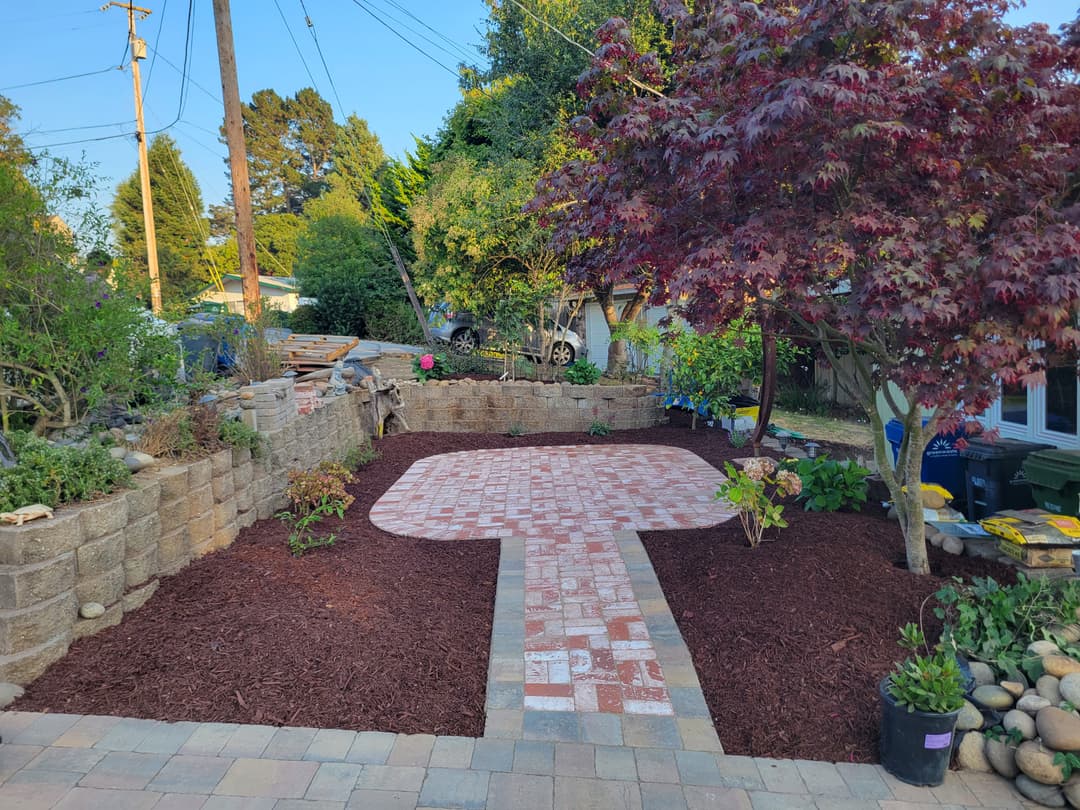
pixel 464 334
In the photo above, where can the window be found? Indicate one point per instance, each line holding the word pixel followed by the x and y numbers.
pixel 1061 400
pixel 1014 404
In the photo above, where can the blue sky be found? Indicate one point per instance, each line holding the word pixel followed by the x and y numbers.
pixel 377 75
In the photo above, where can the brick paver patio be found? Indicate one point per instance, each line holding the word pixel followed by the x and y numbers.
pixel 578 608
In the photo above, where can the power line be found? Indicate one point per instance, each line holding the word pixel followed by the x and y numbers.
pixel 456 45
pixel 78 129
pixel 426 39
pixel 61 78
pixel 404 39
pixel 157 39
pixel 296 45
pixel 318 47
pixel 190 80
pixel 82 140
pixel 184 78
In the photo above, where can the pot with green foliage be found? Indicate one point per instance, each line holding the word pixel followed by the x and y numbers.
pixel 920 701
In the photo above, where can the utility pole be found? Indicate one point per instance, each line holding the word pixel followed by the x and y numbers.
pixel 138 51
pixel 234 137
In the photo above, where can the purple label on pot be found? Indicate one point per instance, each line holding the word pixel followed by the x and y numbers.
pixel 933 741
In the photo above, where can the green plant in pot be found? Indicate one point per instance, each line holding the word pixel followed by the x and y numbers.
pixel 920 701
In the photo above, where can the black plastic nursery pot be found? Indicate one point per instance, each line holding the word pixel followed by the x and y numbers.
pixel 915 746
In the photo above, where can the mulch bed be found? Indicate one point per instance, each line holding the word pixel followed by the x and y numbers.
pixel 380 632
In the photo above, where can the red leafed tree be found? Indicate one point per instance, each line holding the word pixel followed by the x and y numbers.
pixel 897 179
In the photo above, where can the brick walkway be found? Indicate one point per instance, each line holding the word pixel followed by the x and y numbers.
pixel 592 702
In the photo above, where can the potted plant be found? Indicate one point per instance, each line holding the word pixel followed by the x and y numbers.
pixel 920 701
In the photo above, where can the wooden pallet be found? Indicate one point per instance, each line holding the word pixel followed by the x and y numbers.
pixel 314 351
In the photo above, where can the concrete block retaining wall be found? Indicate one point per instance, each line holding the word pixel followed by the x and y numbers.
pixel 460 406
pixel 113 551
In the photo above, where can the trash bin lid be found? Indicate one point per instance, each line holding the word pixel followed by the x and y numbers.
pixel 1053 468
pixel 983 450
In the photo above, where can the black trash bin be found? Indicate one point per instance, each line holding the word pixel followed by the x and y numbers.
pixel 994 476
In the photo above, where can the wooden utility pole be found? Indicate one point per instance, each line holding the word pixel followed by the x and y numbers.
pixel 234 137
pixel 138 51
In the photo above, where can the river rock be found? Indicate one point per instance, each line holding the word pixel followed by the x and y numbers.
pixel 992 697
pixel 1072 790
pixel 1021 721
pixel 137 460
pixel 1032 704
pixel 936 538
pixel 9 692
pixel 1046 795
pixel 1037 761
pixel 1042 647
pixel 118 452
pixel 1002 758
pixel 953 545
pixel 1014 688
pixel 1058 729
pixel 1060 665
pixel 982 673
pixel 971 753
pixel 91 610
pixel 970 717
pixel 1069 632
pixel 1049 687
pixel 1069 686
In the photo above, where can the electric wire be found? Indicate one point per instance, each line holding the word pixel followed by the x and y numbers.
pixel 184 77
pixel 202 234
pixel 404 39
pixel 453 43
pixel 318 48
pixel 129 122
pixel 296 45
pixel 61 78
pixel 157 39
pixel 426 39
pixel 190 80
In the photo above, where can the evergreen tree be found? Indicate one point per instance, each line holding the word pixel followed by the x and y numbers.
pixel 178 221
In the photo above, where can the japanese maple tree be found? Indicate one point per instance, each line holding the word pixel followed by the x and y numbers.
pixel 896 179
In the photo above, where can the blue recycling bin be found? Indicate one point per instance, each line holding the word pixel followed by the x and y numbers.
pixel 941 461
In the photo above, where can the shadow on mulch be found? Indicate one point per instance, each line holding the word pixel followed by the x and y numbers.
pixel 385 633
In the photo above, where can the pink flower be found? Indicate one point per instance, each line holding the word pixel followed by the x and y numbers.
pixel 427 362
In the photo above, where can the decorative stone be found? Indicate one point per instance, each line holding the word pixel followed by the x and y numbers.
pixel 91 610
pixel 137 460
pixel 1058 729
pixel 1046 795
pixel 982 673
pixel 1002 758
pixel 970 718
pixel 1049 687
pixel 936 538
pixel 1014 688
pixel 1072 790
pixel 9 692
pixel 932 500
pixel 971 754
pixel 1070 689
pixel 118 453
pixel 1060 665
pixel 1021 721
pixel 992 697
pixel 1069 632
pixel 953 545
pixel 1037 761
pixel 1032 704
pixel 1042 647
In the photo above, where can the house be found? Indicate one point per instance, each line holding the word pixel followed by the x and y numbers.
pixel 1047 413
pixel 277 292
pixel 592 326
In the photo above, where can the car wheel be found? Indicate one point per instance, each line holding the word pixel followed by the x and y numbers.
pixel 464 341
pixel 562 354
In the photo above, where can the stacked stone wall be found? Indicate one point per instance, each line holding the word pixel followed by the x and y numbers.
pixel 468 406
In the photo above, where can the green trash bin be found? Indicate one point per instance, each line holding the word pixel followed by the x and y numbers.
pixel 1055 480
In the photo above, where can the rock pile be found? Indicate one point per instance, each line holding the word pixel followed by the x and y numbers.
pixel 1040 723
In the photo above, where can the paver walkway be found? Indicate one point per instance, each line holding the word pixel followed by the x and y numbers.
pixel 593 702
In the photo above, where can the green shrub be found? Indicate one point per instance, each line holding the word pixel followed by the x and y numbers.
pixel 57 475
pixel 393 322
pixel 237 434
pixel 801 399
pixel 829 485
pixel 995 623
pixel 304 320
pixel 599 428
pixel 314 495
pixel 927 683
pixel 358 455
pixel 582 372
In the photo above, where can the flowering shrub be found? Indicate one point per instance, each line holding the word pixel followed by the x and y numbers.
pixel 748 491
pixel 431 367
pixel 315 494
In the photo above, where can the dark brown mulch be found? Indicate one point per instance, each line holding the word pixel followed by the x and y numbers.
pixel 381 632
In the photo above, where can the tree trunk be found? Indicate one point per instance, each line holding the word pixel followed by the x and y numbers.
pixel 911 514
pixel 618 358
pixel 768 382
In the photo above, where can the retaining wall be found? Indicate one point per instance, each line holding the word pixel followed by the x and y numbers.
pixel 113 551
pixel 460 406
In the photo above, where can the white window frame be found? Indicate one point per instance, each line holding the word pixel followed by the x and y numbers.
pixel 1035 430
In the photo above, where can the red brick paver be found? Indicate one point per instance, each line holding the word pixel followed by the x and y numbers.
pixel 587 646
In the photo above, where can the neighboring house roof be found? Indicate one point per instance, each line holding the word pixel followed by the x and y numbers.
pixel 283 283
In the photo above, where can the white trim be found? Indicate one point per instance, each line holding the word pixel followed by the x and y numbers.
pixel 1035 430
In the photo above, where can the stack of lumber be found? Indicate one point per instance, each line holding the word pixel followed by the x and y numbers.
pixel 306 352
